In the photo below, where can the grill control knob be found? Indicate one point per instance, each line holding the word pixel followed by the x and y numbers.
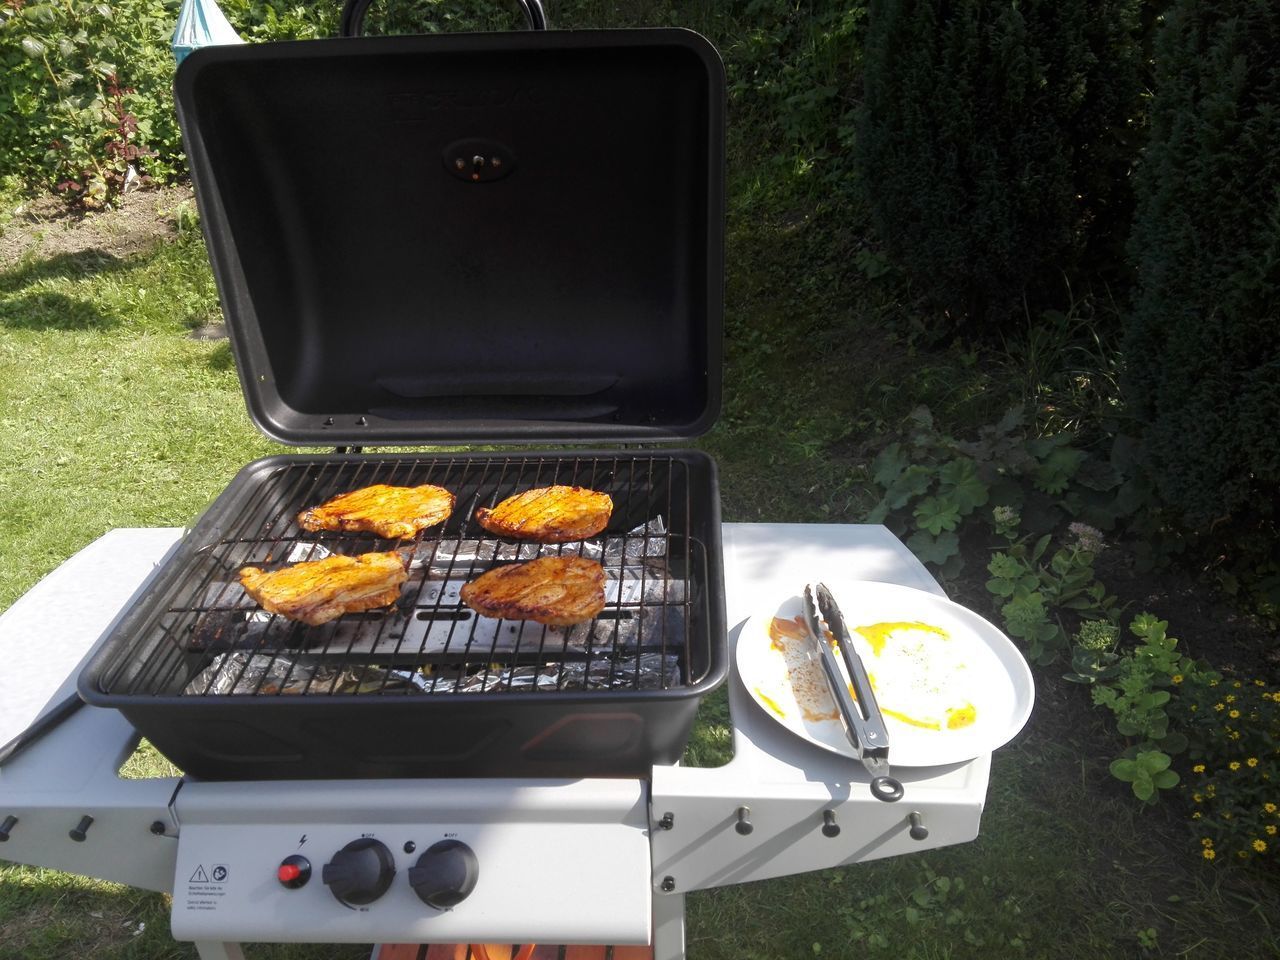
pixel 445 874
pixel 360 872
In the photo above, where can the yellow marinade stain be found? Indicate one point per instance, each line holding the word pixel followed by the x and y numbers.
pixel 959 717
pixel 912 721
pixel 771 703
pixel 877 634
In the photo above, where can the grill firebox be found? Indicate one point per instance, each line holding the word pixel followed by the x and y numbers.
pixel 428 687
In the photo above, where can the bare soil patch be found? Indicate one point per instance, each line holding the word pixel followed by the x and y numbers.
pixel 43 226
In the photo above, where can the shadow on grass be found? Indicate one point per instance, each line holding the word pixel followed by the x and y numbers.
pixel 220 358
pixel 53 311
pixel 81 263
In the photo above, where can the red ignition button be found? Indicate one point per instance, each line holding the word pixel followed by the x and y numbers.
pixel 294 871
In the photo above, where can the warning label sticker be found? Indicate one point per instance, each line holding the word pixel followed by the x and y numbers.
pixel 206 888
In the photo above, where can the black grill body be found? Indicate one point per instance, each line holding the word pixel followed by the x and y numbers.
pixel 470 239
pixel 149 666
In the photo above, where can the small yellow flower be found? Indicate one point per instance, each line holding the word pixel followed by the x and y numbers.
pixel 1177 678
pixel 1226 816
pixel 1206 841
pixel 1197 798
pixel 1235 734
pixel 1252 761
pixel 1197 815
pixel 1234 714
pixel 1213 683
pixel 1269 807
pixel 1209 854
pixel 1198 768
pixel 1237 684
pixel 1260 846
pixel 1231 697
pixel 1271 829
pixel 1258 683
pixel 1235 764
pixel 1242 854
pixel 1219 707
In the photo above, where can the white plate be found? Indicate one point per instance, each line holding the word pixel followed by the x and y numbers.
pixel 984 670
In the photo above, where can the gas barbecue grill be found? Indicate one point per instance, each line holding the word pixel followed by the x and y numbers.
pixel 544 267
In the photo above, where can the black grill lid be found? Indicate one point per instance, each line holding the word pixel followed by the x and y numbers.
pixel 512 237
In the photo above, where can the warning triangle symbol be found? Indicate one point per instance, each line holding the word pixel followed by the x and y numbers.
pixel 199 876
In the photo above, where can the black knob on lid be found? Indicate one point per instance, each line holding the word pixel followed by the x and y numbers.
pixel 81 829
pixel 360 872
pixel 445 874
pixel 830 828
pixel 9 823
pixel 744 825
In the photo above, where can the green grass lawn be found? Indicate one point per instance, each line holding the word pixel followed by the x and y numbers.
pixel 112 415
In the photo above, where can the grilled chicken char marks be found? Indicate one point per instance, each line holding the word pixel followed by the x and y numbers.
pixel 390 512
pixel 556 591
pixel 554 514
pixel 317 591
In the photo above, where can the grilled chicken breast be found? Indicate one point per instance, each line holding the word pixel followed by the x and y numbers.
pixel 391 512
pixel 317 591
pixel 549 514
pixel 556 591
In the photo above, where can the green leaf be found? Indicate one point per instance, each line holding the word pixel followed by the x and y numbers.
pixel 933 549
pixel 960 484
pixel 936 514
pixel 914 481
pixel 33 48
pixel 1143 788
pixel 888 466
pixel 1166 779
pixel 1126 770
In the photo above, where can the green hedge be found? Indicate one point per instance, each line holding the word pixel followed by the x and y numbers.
pixel 83 82
pixel 1202 345
pixel 992 143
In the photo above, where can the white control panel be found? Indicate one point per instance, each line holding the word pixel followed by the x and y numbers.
pixel 414 861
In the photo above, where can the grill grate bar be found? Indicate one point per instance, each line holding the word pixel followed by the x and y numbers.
pixel 207 638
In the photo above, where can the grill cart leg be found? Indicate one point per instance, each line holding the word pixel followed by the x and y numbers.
pixel 219 951
pixel 668 926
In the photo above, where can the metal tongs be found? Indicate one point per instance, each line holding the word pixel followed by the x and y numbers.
pixel 863 722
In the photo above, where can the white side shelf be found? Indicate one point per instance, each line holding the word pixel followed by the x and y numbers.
pixel 785 783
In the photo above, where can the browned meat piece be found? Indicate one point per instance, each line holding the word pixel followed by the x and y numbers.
pixel 556 591
pixel 317 591
pixel 391 512
pixel 549 514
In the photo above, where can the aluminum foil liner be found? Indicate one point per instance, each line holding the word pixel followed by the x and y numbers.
pixel 647 541
pixel 648 671
pixel 266 675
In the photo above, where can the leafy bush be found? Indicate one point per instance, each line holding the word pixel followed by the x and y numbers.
pixel 1202 344
pixel 81 83
pixel 992 143
pixel 86 87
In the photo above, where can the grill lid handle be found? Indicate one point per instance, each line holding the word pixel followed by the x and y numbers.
pixel 353 11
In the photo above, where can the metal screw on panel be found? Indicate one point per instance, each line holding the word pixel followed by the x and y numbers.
pixel 829 826
pixel 495 162
pixel 918 830
pixel 668 884
pixel 410 846
pixel 744 825
pixel 460 164
pixel 477 161
pixel 81 828
pixel 9 823
pixel 668 821
pixel 157 827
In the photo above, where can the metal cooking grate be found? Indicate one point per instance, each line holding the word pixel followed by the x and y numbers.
pixel 205 637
